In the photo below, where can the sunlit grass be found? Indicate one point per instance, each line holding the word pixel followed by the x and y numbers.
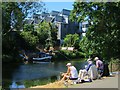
pixel 57 84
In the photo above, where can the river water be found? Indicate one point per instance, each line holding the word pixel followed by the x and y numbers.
pixel 36 74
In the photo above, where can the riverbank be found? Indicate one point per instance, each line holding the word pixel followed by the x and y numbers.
pixel 57 84
pixel 105 82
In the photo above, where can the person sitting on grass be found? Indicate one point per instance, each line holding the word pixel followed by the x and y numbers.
pixel 71 73
pixel 84 72
pixel 99 66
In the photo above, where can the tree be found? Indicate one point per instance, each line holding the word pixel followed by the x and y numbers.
pixel 30 39
pixel 71 40
pixel 13 15
pixel 28 27
pixel 31 8
pixel 42 32
pixel 103 35
pixel 45 31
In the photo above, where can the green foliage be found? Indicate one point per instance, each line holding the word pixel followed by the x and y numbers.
pixel 54 34
pixel 38 34
pixel 13 14
pixel 32 8
pixel 30 39
pixel 46 30
pixel 65 54
pixel 28 27
pixel 42 32
pixel 103 35
pixel 9 48
pixel 71 40
pixel 85 46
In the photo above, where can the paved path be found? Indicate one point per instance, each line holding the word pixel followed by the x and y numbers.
pixel 106 82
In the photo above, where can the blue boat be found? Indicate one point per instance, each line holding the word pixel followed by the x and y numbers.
pixel 41 56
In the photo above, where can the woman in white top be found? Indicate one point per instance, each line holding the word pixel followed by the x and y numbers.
pixel 72 73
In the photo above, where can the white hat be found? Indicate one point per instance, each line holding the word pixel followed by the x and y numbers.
pixel 96 58
pixel 68 64
pixel 89 59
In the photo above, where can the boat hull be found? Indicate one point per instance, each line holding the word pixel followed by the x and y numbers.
pixel 42 59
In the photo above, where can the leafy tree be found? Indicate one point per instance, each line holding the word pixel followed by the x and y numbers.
pixel 30 39
pixel 87 47
pixel 12 17
pixel 71 40
pixel 103 36
pixel 28 27
pixel 31 8
pixel 42 32
pixel 13 14
pixel 46 31
pixel 53 30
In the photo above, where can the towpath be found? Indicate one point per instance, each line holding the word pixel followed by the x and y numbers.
pixel 106 82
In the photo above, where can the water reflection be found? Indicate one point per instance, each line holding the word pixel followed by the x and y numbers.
pixel 34 74
pixel 16 86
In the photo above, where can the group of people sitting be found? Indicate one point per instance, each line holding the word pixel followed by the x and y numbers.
pixel 91 71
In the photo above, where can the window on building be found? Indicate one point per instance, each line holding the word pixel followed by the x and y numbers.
pixel 85 26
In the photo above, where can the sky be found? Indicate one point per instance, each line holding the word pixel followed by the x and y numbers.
pixel 58 6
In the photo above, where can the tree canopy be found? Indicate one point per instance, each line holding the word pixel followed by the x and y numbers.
pixel 71 40
pixel 13 15
pixel 46 30
pixel 103 35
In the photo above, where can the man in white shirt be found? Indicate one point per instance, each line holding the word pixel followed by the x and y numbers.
pixel 71 74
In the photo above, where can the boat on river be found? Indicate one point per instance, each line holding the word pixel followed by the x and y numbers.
pixel 42 57
pixel 36 57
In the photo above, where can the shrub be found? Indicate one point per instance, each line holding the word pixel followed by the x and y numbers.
pixel 65 54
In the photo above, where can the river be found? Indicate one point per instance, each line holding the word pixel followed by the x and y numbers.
pixel 35 74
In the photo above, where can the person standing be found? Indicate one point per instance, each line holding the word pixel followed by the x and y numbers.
pixel 99 66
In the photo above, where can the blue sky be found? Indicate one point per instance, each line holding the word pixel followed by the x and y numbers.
pixel 58 6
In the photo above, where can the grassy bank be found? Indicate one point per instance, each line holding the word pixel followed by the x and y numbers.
pixel 57 84
pixel 67 55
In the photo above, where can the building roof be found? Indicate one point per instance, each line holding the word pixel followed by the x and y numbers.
pixel 54 13
pixel 59 18
pixel 48 19
pixel 44 14
pixel 65 12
